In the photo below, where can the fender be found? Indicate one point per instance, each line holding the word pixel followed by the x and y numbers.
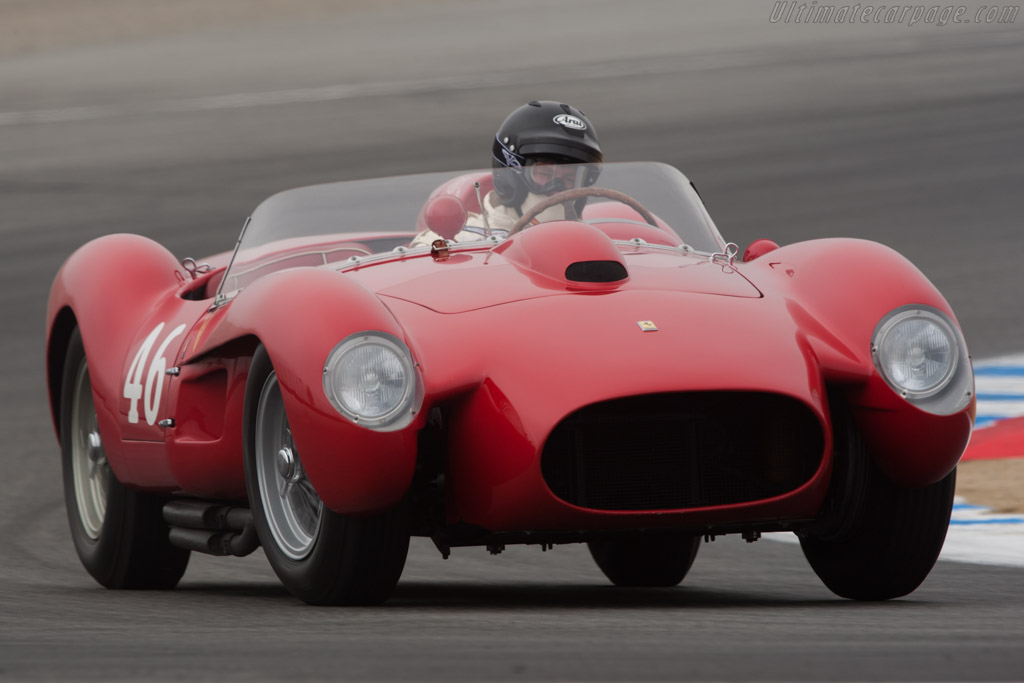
pixel 353 469
pixel 108 285
pixel 848 285
pixel 840 288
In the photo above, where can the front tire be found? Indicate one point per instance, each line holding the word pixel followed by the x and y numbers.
pixel 890 546
pixel 119 534
pixel 322 557
pixel 645 562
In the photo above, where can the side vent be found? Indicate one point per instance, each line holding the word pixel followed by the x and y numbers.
pixel 596 271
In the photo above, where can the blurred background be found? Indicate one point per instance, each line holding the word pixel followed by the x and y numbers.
pixel 174 119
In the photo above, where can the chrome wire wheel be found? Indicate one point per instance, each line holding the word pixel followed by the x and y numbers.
pixel 294 511
pixel 119 533
pixel 90 469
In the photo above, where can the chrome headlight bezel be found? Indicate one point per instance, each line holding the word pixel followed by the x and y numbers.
pixel 404 410
pixel 953 391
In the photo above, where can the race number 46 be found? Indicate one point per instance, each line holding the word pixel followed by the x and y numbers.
pixel 150 393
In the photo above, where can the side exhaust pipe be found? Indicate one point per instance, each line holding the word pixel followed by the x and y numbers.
pixel 211 528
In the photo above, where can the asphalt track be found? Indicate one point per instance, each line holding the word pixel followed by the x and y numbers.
pixel 908 135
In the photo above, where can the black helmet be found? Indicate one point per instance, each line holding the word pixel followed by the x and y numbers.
pixel 541 130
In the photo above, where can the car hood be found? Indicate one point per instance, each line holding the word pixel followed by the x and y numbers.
pixel 565 259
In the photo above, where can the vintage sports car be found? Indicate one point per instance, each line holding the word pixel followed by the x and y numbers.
pixel 621 379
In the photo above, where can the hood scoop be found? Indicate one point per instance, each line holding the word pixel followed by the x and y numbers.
pixel 596 271
pixel 567 254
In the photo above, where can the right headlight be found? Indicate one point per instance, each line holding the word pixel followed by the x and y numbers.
pixel 371 378
pixel 922 355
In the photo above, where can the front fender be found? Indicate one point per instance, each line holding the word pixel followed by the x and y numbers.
pixel 840 289
pixel 299 316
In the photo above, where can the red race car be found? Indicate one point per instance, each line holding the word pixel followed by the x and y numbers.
pixel 616 377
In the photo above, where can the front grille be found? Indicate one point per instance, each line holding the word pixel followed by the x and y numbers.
pixel 674 451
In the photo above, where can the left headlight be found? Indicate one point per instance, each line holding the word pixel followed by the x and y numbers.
pixel 371 378
pixel 922 355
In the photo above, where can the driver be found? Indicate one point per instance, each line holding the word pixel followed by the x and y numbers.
pixel 528 157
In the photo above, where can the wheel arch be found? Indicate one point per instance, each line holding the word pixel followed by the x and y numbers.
pixel 61 329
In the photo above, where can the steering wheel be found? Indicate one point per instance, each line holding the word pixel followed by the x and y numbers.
pixel 578 193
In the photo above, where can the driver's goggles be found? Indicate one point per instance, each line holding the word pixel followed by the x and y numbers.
pixel 545 177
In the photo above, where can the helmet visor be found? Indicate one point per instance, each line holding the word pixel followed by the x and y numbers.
pixel 547 176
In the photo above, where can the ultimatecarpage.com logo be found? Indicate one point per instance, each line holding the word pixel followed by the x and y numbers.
pixel 795 12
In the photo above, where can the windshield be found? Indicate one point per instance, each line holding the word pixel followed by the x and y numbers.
pixel 334 224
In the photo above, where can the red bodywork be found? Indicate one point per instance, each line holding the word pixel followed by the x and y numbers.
pixel 507 348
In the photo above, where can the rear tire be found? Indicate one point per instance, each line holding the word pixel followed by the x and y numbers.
pixel 888 549
pixel 322 557
pixel 119 534
pixel 642 561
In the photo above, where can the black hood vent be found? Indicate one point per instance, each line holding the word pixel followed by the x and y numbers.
pixel 596 271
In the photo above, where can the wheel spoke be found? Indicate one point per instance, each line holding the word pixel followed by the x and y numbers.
pixel 307 508
pixel 300 498
pixel 311 499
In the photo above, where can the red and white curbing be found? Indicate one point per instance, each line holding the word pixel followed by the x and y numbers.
pixel 999 426
pixel 975 533
pixel 979 536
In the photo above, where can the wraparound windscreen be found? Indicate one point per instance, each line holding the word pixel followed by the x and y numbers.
pixel 327 224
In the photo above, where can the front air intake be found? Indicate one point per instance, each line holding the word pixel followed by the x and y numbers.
pixel 686 450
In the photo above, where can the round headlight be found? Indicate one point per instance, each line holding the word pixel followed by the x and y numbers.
pixel 370 378
pixel 917 352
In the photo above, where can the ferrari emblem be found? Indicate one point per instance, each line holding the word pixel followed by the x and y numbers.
pixel 647 325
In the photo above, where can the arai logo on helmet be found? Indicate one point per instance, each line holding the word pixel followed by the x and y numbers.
pixel 570 121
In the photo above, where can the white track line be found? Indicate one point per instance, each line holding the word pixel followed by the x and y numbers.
pixel 333 93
